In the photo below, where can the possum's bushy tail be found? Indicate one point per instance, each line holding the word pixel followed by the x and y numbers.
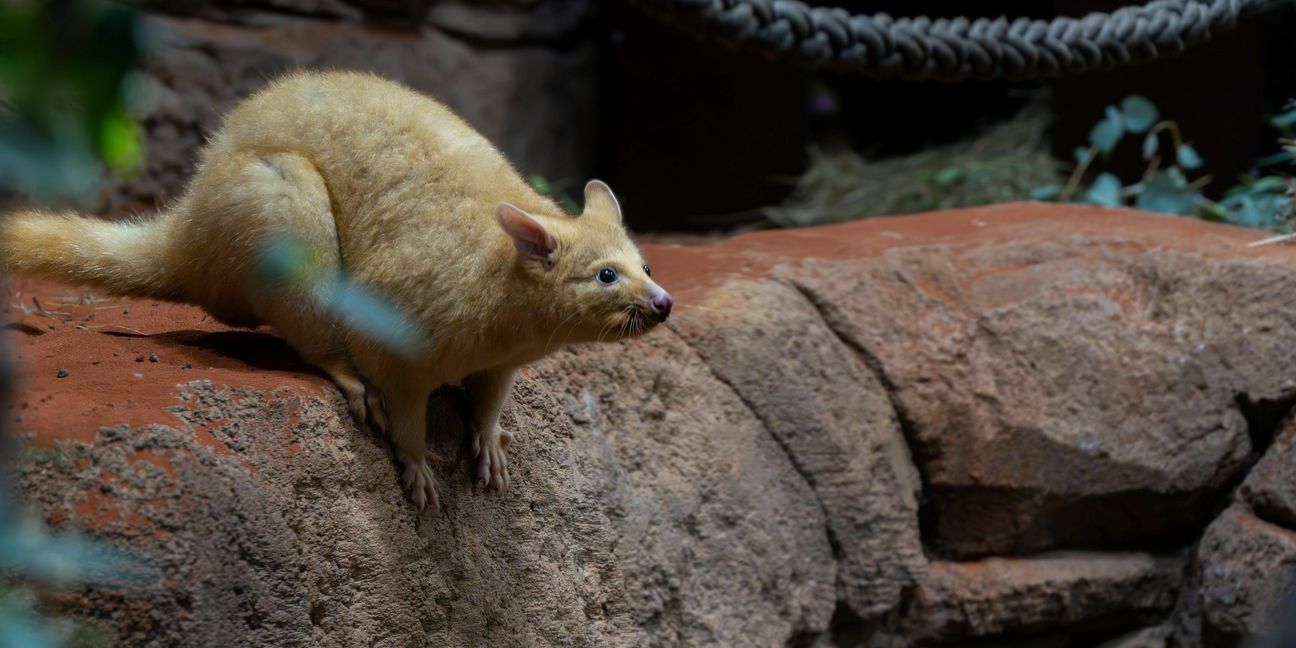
pixel 124 257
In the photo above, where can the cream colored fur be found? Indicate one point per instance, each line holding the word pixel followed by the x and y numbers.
pixel 391 188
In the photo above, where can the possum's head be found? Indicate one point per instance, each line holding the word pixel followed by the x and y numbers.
pixel 597 285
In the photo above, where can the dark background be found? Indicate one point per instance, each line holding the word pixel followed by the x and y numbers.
pixel 694 136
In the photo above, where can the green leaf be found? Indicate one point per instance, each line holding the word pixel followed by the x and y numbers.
pixel 1104 191
pixel 1083 154
pixel 1188 157
pixel 540 184
pixel 1166 193
pixel 119 142
pixel 1106 134
pixel 1150 146
pixel 1139 113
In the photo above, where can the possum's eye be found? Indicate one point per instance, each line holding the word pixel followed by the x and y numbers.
pixel 607 276
pixel 647 271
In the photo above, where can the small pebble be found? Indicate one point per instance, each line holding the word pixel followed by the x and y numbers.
pixel 62 373
pixel 138 375
pixel 153 357
pixel 184 365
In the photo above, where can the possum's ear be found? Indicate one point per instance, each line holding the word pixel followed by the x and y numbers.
pixel 529 236
pixel 599 200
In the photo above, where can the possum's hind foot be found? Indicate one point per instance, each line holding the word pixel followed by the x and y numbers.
pixel 491 453
pixel 420 484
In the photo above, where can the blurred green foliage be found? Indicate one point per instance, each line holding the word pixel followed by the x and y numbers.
pixel 66 93
pixel 1261 199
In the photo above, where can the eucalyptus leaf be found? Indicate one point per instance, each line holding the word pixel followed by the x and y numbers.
pixel 1248 214
pixel 1188 157
pixel 1113 113
pixel 1150 145
pixel 1105 191
pixel 1281 157
pixel 369 314
pixel 1165 193
pixel 1139 113
pixel 1082 154
pixel 1285 119
pixel 1106 134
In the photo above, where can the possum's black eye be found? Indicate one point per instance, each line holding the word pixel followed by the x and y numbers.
pixel 647 271
pixel 607 276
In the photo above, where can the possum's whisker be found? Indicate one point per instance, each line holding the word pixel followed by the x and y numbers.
pixel 606 328
pixel 558 328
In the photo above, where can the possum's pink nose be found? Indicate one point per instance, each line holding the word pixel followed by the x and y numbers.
pixel 661 304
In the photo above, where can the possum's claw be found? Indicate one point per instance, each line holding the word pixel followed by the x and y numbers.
pixel 376 405
pixel 420 485
pixel 492 458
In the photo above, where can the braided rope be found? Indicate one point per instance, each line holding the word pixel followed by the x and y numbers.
pixel 954 49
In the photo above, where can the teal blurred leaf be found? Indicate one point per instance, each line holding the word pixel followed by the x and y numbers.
pixel 1285 119
pixel 1106 134
pixel 1104 191
pixel 1281 157
pixel 365 312
pixel 1166 193
pixel 287 261
pixel 1188 157
pixel 1150 145
pixel 21 628
pixel 1083 154
pixel 1139 113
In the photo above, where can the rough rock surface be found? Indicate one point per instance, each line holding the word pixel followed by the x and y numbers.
pixel 1009 425
pixel 1248 576
pixel 1270 488
pixel 520 72
pixel 1086 591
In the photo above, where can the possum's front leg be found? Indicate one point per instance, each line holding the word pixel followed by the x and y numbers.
pixel 487 391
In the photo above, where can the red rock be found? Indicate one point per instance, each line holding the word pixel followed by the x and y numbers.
pixel 1080 593
pixel 1062 377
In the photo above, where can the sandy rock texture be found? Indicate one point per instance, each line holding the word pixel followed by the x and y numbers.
pixel 1026 425
pixel 519 71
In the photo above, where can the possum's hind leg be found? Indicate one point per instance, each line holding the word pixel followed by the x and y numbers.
pixel 263 198
pixel 407 398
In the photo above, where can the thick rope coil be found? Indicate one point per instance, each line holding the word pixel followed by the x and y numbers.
pixel 955 49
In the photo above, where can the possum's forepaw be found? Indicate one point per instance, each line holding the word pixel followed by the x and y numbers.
pixel 492 458
pixel 420 485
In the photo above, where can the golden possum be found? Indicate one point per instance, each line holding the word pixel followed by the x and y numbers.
pixel 390 187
